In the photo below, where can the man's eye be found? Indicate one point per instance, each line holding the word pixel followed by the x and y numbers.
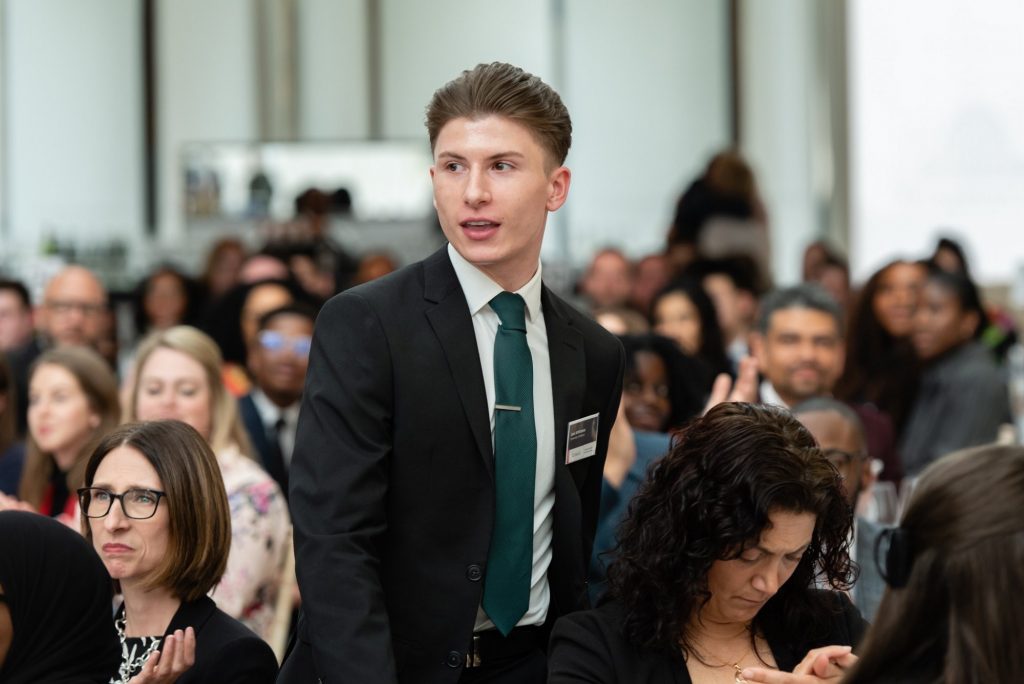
pixel 503 166
pixel 453 166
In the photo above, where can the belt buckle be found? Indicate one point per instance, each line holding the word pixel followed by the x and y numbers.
pixel 473 657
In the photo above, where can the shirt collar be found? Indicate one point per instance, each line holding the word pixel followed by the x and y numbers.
pixel 770 396
pixel 479 289
pixel 271 412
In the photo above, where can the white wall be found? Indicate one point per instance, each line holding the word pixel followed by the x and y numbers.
pixel 207 90
pixel 73 110
pixel 648 89
pixel 333 79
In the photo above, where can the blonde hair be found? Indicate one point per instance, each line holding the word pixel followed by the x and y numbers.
pixel 98 383
pixel 226 427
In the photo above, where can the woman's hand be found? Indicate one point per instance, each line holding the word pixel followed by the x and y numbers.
pixel 827 664
pixel 744 389
pixel 166 665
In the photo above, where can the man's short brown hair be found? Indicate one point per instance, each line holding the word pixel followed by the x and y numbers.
pixel 196 501
pixel 504 90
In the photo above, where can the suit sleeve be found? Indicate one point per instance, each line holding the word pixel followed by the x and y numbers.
pixel 578 653
pixel 338 485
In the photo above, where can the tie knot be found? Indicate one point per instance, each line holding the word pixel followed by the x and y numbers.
pixel 511 309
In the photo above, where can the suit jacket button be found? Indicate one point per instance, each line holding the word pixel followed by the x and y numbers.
pixel 454 659
pixel 474 573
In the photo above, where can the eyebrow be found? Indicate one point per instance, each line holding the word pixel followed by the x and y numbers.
pixel 108 487
pixel 500 155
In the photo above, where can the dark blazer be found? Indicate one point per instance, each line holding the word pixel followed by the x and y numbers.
pixel 392 479
pixel 227 652
pixel 589 647
pixel 270 456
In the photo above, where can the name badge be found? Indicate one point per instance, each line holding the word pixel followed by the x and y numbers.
pixel 582 439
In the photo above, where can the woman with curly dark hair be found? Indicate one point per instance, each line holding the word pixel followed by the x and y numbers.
pixel 718 560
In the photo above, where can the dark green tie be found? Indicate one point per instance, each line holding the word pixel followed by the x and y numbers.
pixel 510 560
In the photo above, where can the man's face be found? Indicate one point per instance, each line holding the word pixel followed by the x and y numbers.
pixel 844 447
pixel 493 187
pixel 73 308
pixel 15 321
pixel 801 354
pixel 280 357
pixel 609 280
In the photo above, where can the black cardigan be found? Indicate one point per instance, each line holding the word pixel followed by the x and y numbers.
pixel 589 646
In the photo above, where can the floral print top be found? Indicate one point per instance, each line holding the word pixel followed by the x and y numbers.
pixel 259 533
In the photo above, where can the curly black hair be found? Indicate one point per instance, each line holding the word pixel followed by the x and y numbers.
pixel 707 499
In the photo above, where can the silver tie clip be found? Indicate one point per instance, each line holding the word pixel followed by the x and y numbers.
pixel 506 407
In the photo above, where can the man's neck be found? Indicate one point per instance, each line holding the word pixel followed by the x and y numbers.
pixel 281 400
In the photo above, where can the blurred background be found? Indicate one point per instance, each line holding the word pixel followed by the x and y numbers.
pixel 133 132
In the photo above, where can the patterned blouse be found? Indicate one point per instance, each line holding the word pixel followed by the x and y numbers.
pixel 259 533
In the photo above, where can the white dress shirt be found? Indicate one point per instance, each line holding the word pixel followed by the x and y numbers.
pixel 269 415
pixel 479 291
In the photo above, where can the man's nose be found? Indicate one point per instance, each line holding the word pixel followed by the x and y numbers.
pixel 477 189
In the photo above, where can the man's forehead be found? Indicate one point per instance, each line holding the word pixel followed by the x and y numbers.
pixel 797 319
pixel 77 283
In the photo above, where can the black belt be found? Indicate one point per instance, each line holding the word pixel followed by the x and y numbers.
pixel 489 645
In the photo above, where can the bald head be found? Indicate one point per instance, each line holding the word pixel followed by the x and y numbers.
pixel 73 308
pixel 840 434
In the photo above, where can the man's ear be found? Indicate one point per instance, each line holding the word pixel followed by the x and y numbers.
pixel 558 187
pixel 756 341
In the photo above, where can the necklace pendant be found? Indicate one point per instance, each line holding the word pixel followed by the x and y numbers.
pixel 739 674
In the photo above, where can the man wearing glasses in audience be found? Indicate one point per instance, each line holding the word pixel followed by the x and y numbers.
pixel 840 434
pixel 74 311
pixel 277 362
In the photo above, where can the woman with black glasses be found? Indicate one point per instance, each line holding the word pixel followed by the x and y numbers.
pixel 155 509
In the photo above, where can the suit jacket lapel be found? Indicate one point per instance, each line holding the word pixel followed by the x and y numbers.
pixel 453 326
pixel 568 371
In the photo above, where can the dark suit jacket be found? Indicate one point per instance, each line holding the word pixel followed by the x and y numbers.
pixel 227 652
pixel 589 647
pixel 392 480
pixel 270 457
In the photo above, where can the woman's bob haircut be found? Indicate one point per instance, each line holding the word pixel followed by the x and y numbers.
pixel 197 504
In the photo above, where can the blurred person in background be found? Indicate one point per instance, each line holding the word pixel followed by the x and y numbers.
pixel 800 352
pixel 16 325
pixel 178 376
pixel 621 320
pixel 962 399
pixel 12 449
pixel 684 313
pixel 73 403
pixel 650 275
pixel 733 285
pixel 72 309
pixel 163 299
pixel 608 280
pixel 223 267
pixel 374 265
pixel 278 363
pixel 839 432
pixel 881 364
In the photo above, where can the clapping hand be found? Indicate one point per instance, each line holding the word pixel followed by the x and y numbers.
pixel 744 389
pixel 177 654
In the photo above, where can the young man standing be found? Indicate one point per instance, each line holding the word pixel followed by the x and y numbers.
pixel 445 481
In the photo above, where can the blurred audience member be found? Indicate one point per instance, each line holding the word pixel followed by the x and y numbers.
pixel 725 194
pixel 262 266
pixel 650 275
pixel 608 280
pixel 816 255
pixel 954 566
pixel 73 403
pixel 881 365
pixel 662 388
pixel 839 432
pixel 684 313
pixel 72 310
pixel 278 363
pixel 55 598
pixel 963 398
pixel 621 320
pixel 372 266
pixel 165 298
pixel 223 267
pixel 155 509
pixel 798 345
pixel 733 285
pixel 12 449
pixel 834 278
pixel 178 377
pixel 800 352
pixel 950 256
pixel 16 325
